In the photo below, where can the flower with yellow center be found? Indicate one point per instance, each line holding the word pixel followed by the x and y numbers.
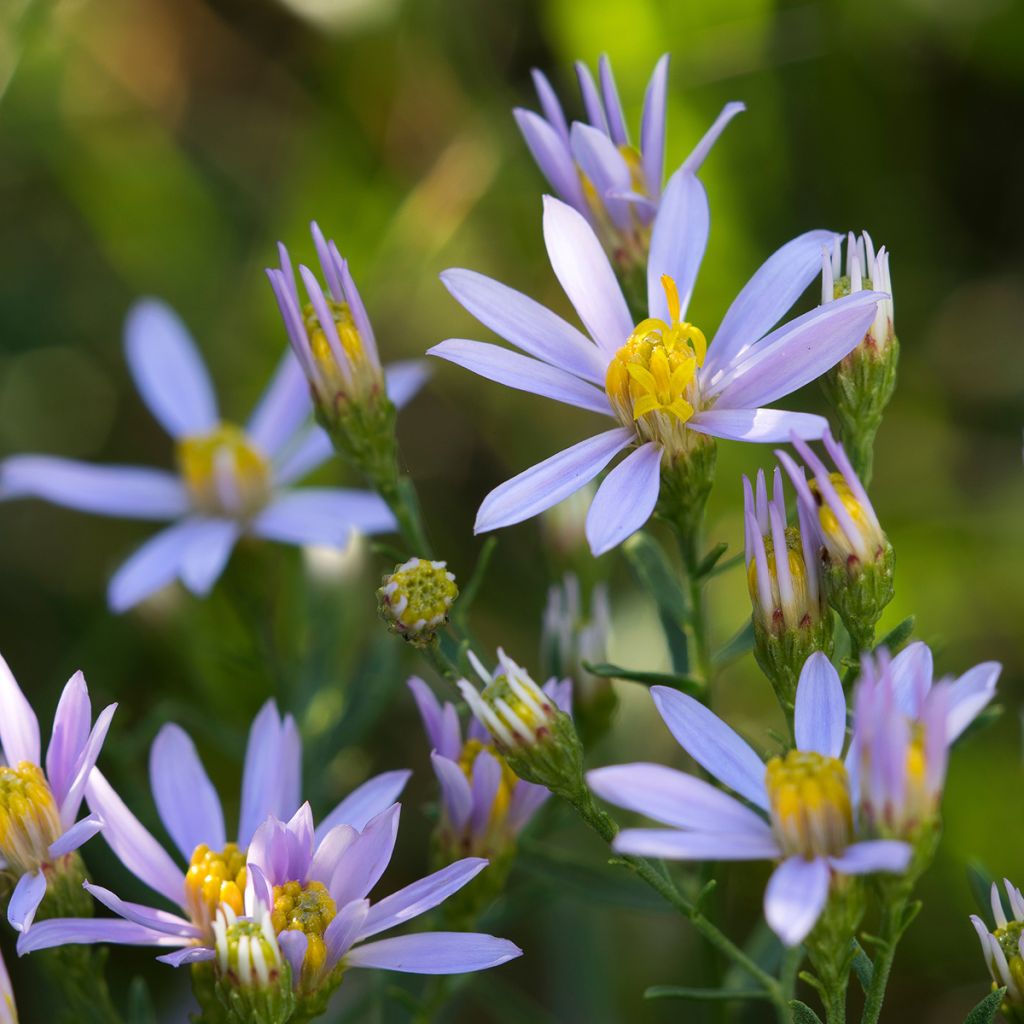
pixel 308 909
pixel 214 877
pixel 809 794
pixel 225 472
pixel 1003 949
pixel 416 597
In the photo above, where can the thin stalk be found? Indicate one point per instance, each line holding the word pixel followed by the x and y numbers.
pixel 399 493
pixel 893 916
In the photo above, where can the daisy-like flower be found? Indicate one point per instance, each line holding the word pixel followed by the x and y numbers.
pixel 804 804
pixel 1003 949
pixel 229 482
pixel 333 340
pixel 595 168
pixel 190 809
pixel 905 727
pixel 667 388
pixel 316 889
pixel 38 807
pixel 484 805
pixel 8 1011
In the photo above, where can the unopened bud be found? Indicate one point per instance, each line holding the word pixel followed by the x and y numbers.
pixel 415 599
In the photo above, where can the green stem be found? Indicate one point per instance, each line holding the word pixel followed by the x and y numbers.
pixel 690 545
pixel 893 915
pixel 399 493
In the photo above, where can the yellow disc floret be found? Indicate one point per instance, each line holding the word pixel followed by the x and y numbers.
pixel 225 473
pixel 416 597
pixel 810 803
pixel 308 909
pixel 868 542
pixel 799 609
pixel 355 373
pixel 214 878
pixel 29 821
pixel 652 381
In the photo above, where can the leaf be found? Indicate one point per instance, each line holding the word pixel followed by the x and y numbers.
pixel 677 682
pixel 140 1004
pixel 709 995
pixel 742 642
pixel 985 1012
pixel 652 567
pixel 896 639
pixel 980 881
pixel 710 560
pixel 862 966
pixel 802 1013
pixel 468 593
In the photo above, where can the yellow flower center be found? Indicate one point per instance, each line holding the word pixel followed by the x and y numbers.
pixel 29 821
pixel 798 610
pixel 225 473
pixel 652 381
pixel 214 877
pixel 416 597
pixel 810 803
pixel 503 797
pixel 308 909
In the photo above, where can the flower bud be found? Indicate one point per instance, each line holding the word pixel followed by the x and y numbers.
pixel 857 557
pixel 860 386
pixel 531 730
pixel 791 617
pixel 8 1011
pixel 414 599
pixel 1003 950
pixel 252 980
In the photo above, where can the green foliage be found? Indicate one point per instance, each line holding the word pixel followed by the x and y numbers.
pixel 985 1012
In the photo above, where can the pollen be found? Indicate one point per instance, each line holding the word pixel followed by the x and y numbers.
pixel 29 821
pixel 308 909
pixel 225 473
pixel 810 803
pixel 214 878
pixel 652 381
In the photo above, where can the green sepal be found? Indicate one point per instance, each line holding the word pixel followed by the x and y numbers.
pixel 781 655
pixel 859 592
pixel 985 1012
pixel 554 761
pixel 862 966
pixel 802 1013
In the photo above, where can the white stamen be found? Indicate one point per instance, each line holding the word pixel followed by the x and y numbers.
pixel 828 284
pixel 513 720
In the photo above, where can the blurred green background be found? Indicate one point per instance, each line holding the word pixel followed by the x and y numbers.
pixel 163 146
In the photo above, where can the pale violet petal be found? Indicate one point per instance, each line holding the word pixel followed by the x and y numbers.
pixel 152 566
pixel 625 499
pixel 911 672
pixel 366 801
pixel 612 104
pixel 552 155
pixel 456 796
pixel 168 370
pixel 404 379
pixel 795 897
pixel 819 719
pixel 606 169
pixel 308 452
pixel 678 241
pixel 19 727
pixel 207 553
pixel 323 515
pixel 64 931
pixel 149 917
pixel 700 152
pixel 652 127
pixel 434 953
pixel 549 103
pixel 866 858
pixel 547 483
pixel 25 899
pixel 283 408
pixel 71 725
pixel 969 695
pixel 188 956
pixel 359 868
pixel 80 832
pixel 672 845
pixel 758 426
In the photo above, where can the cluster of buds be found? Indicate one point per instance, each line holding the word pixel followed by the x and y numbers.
pixel 414 600
pixel 570 640
pixel 1003 950
pixel 252 980
pixel 334 343
pixel 857 557
pixel 791 618
pixel 860 385
pixel 531 729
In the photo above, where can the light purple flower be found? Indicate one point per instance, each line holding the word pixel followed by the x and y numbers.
pixel 230 481
pixel 814 839
pixel 1003 948
pixel 865 268
pixel 38 809
pixel 658 379
pixel 905 726
pixel 318 888
pixel 8 1011
pixel 190 809
pixel 593 165
pixel 332 336
pixel 484 805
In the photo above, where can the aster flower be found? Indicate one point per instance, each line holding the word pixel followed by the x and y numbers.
pixel 594 167
pixel 791 616
pixel 1003 949
pixel 190 809
pixel 865 269
pixel 38 807
pixel 316 889
pixel 230 481
pixel 668 389
pixel 803 803
pixel 8 1011
pixel 484 805
pixel 905 725
pixel 334 343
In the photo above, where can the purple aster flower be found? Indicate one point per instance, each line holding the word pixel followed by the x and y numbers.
pixel 8 1011
pixel 332 337
pixel 1003 948
pixel 316 889
pixel 595 168
pixel 905 726
pixel 804 806
pixel 230 481
pixel 658 378
pixel 484 805
pixel 191 812
pixel 38 808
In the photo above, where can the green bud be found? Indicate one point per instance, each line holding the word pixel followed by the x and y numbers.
pixel 414 600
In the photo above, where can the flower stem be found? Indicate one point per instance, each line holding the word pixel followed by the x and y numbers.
pixel 894 922
pixel 399 492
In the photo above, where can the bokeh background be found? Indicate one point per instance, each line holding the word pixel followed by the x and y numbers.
pixel 161 147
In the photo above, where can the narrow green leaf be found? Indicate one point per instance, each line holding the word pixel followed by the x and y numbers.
pixel 727 564
pixel 700 995
pixel 802 1013
pixel 897 637
pixel 468 593
pixel 862 966
pixel 742 642
pixel 980 880
pixel 710 560
pixel 608 671
pixel 985 1012
pixel 653 568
